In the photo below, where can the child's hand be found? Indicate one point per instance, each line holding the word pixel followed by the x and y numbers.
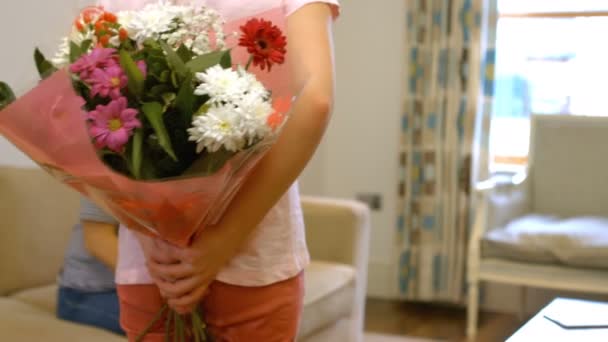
pixel 186 282
pixel 156 253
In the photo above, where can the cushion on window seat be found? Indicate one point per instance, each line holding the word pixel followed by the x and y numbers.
pixel 576 242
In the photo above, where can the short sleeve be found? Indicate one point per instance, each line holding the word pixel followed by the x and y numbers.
pixel 293 5
pixel 124 5
pixel 89 211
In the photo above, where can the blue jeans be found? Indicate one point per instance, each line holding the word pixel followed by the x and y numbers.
pixel 99 309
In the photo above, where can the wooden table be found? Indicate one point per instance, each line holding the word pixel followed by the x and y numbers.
pixel 540 328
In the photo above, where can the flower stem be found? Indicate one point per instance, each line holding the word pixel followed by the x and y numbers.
pixel 179 328
pixel 249 62
pixel 195 331
pixel 158 316
pixel 168 327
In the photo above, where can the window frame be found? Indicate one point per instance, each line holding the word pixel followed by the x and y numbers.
pixel 499 163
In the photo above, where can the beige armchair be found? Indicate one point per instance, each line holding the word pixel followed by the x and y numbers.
pixel 547 227
pixel 337 232
pixel 37 213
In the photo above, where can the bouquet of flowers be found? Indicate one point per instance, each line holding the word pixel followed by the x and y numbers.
pixel 158 115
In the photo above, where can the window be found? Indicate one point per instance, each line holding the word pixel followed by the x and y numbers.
pixel 551 58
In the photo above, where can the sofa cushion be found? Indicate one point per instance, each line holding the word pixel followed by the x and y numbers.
pixel 22 322
pixel 330 291
pixel 37 216
pixel 44 298
pixel 329 287
pixel 577 242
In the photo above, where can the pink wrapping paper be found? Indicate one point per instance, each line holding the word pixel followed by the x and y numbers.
pixel 48 124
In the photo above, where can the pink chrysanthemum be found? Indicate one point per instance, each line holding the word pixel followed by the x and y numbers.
pixel 98 58
pixel 108 82
pixel 113 125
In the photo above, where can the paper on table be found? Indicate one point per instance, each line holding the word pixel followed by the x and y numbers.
pixel 577 314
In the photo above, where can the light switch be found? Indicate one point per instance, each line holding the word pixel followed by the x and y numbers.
pixel 374 201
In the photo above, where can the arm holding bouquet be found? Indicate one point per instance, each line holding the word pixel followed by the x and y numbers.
pixel 101 240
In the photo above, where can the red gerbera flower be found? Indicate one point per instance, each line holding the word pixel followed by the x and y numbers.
pixel 265 42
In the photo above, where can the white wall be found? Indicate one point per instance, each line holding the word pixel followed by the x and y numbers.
pixel 28 24
pixel 360 151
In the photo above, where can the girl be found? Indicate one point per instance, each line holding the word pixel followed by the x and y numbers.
pixel 246 272
pixel 87 292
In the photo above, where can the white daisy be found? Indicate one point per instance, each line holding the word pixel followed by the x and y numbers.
pixel 251 83
pixel 150 22
pixel 255 111
pixel 220 127
pixel 221 85
pixel 62 56
pixel 125 18
pixel 240 107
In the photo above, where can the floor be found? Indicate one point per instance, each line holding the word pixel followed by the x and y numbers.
pixel 435 322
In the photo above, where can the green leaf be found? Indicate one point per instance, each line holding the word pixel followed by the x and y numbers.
pixel 203 62
pixel 168 99
pixel 75 52
pixel 45 68
pixel 128 45
pixel 159 89
pixel 226 60
pixel 86 45
pixel 6 95
pixel 174 60
pixel 160 76
pixel 135 76
pixel 202 109
pixel 156 53
pixel 156 65
pixel 184 53
pixel 151 44
pixel 184 103
pixel 154 113
pixel 174 80
pixel 148 170
pixel 165 76
pixel 136 153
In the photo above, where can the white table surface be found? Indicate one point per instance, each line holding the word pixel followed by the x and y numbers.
pixel 541 329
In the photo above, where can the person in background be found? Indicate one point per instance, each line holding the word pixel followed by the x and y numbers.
pixel 87 291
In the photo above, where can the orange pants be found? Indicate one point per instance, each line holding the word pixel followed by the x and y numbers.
pixel 232 313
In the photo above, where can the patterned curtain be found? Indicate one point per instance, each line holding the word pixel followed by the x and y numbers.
pixel 444 142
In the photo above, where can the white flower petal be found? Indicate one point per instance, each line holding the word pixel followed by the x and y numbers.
pixel 239 111
pixel 220 127
pixel 176 25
